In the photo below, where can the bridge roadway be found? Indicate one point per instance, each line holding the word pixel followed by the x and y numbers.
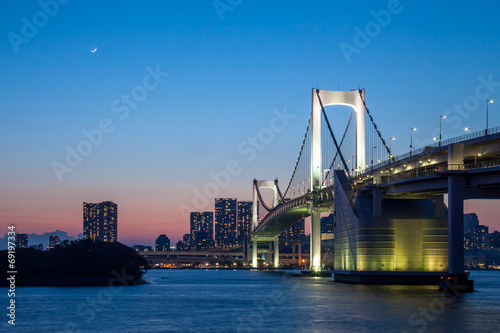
pixel 424 171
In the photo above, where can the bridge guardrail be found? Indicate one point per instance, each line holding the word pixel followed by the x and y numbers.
pixel 324 195
pixel 470 166
pixel 429 172
pixel 444 143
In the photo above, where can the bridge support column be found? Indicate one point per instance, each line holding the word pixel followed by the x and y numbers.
pixel 247 251
pixel 254 253
pixel 456 224
pixel 276 252
pixel 456 279
pixel 315 242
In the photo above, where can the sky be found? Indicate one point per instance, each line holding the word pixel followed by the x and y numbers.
pixel 166 107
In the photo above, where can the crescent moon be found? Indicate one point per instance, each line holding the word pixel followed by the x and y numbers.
pixel 93 50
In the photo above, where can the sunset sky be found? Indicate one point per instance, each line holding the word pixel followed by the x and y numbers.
pixel 175 87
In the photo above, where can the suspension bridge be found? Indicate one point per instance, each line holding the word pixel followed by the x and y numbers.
pixel 391 224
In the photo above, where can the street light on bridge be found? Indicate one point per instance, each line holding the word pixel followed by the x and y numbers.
pixel 440 117
pixel 390 146
pixel 468 129
pixel 488 101
pixel 411 139
pixel 373 148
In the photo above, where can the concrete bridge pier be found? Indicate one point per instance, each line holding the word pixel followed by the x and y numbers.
pixel 455 224
pixel 456 279
pixel 276 252
pixel 315 245
pixel 254 253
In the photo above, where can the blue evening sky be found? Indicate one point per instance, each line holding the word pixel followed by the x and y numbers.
pixel 225 78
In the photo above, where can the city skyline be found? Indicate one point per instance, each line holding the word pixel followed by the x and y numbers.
pixel 158 153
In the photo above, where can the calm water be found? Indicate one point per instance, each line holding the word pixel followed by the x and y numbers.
pixel 254 301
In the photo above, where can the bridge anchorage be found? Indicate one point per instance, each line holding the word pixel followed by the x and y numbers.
pixel 390 221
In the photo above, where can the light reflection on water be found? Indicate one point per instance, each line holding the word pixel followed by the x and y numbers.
pixel 255 301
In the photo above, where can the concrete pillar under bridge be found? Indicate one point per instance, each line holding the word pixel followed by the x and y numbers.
pixel 255 253
pixel 273 248
pixel 276 252
pixel 456 195
pixel 455 224
pixel 315 245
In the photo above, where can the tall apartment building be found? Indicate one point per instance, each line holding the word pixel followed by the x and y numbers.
pixel 53 241
pixel 225 222
pixel 162 243
pixel 244 219
pixel 296 232
pixel 471 221
pixel 100 221
pixel 202 229
pixel 22 241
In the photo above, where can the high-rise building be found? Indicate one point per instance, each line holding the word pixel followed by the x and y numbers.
pixel 483 237
pixel 100 221
pixel 495 239
pixel 296 232
pixel 202 222
pixel 471 221
pixel 53 241
pixel 22 241
pixel 179 246
pixel 244 219
pixel 186 239
pixel 225 223
pixel 162 243
pixel 202 240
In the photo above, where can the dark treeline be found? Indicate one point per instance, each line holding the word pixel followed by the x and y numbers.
pixel 80 262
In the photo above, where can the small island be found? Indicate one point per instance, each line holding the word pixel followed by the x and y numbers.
pixel 77 263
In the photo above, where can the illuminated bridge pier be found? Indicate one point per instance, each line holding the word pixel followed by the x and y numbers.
pixel 388 239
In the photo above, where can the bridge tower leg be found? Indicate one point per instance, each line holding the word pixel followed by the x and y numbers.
pixel 315 244
pixel 247 249
pixel 254 253
pixel 316 163
pixel 276 252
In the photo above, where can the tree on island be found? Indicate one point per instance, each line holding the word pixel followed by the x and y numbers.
pixel 80 262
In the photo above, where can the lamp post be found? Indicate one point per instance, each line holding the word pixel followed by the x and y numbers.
pixel 468 129
pixel 411 139
pixel 488 101
pixel 440 117
pixel 373 148
pixel 390 147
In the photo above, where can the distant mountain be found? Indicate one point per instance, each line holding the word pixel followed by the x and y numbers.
pixel 41 239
